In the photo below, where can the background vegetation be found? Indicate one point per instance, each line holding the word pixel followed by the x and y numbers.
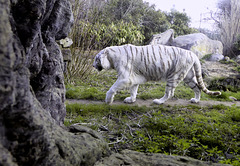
pixel 100 23
pixel 227 19
pixel 208 133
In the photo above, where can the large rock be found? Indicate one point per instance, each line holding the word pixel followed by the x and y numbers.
pixel 199 43
pixel 38 24
pixel 216 57
pixel 164 38
pixel 32 89
pixel 128 157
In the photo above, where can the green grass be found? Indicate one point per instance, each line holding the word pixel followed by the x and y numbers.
pixel 83 92
pixel 206 133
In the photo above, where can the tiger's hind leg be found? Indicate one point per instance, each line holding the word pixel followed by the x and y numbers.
pixel 133 92
pixel 191 81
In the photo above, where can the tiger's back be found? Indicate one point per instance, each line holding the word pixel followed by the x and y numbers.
pixel 154 62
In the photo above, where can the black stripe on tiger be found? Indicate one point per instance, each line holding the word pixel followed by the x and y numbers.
pixel 155 58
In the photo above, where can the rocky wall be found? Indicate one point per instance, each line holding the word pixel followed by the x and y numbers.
pixel 32 88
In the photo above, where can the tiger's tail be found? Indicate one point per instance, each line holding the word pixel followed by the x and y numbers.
pixel 198 72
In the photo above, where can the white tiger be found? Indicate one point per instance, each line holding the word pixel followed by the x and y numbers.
pixel 137 64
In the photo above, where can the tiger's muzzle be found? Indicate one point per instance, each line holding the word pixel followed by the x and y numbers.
pixel 99 68
pixel 97 63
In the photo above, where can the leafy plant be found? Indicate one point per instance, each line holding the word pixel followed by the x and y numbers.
pixel 179 22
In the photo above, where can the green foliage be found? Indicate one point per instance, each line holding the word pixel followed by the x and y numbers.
pixel 139 13
pixel 142 19
pixel 99 35
pixel 237 69
pixel 124 33
pixel 180 22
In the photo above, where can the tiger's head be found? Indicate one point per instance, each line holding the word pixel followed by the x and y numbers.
pixel 101 60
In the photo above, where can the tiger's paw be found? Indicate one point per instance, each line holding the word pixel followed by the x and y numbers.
pixel 158 101
pixel 109 99
pixel 129 100
pixel 194 100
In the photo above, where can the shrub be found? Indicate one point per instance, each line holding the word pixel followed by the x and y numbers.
pixel 88 38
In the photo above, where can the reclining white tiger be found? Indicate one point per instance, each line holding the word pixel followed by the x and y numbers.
pixel 137 64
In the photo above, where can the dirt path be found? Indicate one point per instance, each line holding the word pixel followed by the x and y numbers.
pixel 148 103
pixel 218 70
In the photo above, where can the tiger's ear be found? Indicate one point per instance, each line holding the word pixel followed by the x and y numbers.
pixel 104 59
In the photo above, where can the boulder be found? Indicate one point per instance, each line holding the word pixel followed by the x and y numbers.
pixel 67 57
pixel 237 59
pixel 128 157
pixel 226 58
pixel 164 38
pixel 216 57
pixel 199 43
pixel 66 43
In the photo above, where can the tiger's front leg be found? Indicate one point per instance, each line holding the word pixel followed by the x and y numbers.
pixel 118 85
pixel 133 92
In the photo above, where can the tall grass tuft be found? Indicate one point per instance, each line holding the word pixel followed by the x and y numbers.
pixel 85 36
